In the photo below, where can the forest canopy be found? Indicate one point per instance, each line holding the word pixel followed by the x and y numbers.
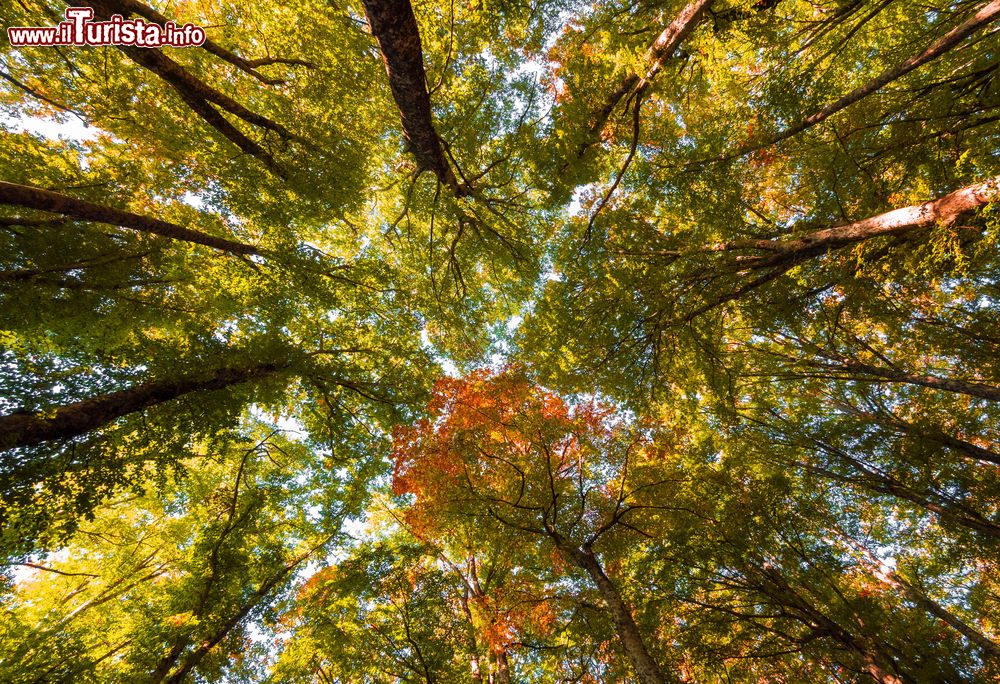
pixel 492 341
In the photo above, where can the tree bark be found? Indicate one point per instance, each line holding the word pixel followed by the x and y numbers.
pixel 662 48
pixel 879 665
pixel 473 647
pixel 178 675
pixel 945 209
pixel 646 669
pixel 199 96
pixel 46 200
pixel 63 422
pixel 503 666
pixel 780 255
pixel 935 435
pixel 248 66
pixel 986 14
pixel 972 389
pixel 395 28
pixel 876 481
pixel 892 579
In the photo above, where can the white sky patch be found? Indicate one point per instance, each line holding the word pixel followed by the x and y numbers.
pixel 193 200
pixel 68 128
pixel 575 208
pixel 22 574
pixel 447 365
pixel 290 426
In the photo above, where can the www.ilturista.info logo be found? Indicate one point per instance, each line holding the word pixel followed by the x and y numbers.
pixel 79 29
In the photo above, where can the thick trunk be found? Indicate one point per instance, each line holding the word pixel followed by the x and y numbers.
pixel 646 669
pixel 71 420
pixel 395 28
pixel 503 666
pixel 46 200
pixel 896 222
pixel 984 16
pixel 782 255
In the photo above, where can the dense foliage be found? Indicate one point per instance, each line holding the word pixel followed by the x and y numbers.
pixel 651 341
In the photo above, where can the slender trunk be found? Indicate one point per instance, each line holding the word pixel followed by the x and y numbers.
pixel 986 14
pixel 662 48
pixel 935 435
pixel 892 579
pixel 972 389
pixel 986 645
pixel 878 664
pixel 476 671
pixel 199 96
pixel 46 200
pixel 646 669
pixel 183 82
pixel 395 28
pixel 195 657
pixel 179 78
pixel 876 482
pixel 71 420
pixel 782 255
pixel 248 66
pixel 221 124
pixel 498 652
pixel 959 445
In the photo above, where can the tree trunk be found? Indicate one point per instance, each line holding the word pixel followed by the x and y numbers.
pixel 395 28
pixel 878 664
pixel 986 14
pixel 662 48
pixel 195 657
pixel 28 429
pixel 248 66
pixel 933 434
pixel 195 93
pixel 476 670
pixel 785 254
pixel 892 579
pixel 46 200
pixel 945 209
pixel 646 669
pixel 883 484
pixel 968 388
pixel 503 666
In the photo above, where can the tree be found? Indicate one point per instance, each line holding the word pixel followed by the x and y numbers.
pixel 703 294
pixel 496 448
